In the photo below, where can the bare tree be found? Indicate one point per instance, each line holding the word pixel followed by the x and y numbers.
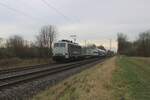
pixel 1 40
pixel 15 41
pixel 16 45
pixel 122 41
pixel 143 43
pixel 140 47
pixel 46 37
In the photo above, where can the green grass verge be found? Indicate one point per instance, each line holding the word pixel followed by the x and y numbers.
pixel 132 79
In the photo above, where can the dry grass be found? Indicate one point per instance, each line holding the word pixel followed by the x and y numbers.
pixel 16 62
pixel 143 59
pixel 93 84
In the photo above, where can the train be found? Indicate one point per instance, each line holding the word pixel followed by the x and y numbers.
pixel 65 50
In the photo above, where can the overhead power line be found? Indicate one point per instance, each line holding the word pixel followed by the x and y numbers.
pixel 56 10
pixel 17 11
pixel 36 18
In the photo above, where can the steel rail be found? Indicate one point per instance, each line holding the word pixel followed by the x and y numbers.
pixel 13 80
pixel 5 71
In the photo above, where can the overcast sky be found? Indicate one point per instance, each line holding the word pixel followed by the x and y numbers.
pixel 96 21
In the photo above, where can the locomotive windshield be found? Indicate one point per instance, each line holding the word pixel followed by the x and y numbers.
pixel 62 44
pixel 59 44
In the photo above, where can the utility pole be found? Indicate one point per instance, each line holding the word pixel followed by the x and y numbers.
pixel 1 41
pixel 110 43
pixel 85 43
pixel 85 47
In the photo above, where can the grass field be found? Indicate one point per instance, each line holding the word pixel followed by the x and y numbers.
pixel 132 79
pixel 118 78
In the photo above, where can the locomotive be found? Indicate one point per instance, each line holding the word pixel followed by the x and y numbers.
pixel 66 50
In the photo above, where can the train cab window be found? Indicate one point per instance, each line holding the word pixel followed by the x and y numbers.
pixel 56 45
pixel 62 44
pixel 59 44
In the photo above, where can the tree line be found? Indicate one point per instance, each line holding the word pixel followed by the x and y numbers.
pixel 139 47
pixel 16 46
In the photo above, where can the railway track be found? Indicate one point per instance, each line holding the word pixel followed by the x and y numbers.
pixel 24 68
pixel 19 77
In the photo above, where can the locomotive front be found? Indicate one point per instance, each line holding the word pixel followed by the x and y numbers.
pixel 60 51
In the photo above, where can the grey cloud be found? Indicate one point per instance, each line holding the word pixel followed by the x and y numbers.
pixel 89 19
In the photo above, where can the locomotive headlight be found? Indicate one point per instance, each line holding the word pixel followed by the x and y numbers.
pixel 66 53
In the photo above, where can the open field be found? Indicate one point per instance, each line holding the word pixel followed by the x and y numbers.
pixel 132 79
pixel 118 78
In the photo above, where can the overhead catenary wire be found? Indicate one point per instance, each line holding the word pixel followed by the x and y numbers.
pixel 56 10
pixel 18 11
pixel 36 18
